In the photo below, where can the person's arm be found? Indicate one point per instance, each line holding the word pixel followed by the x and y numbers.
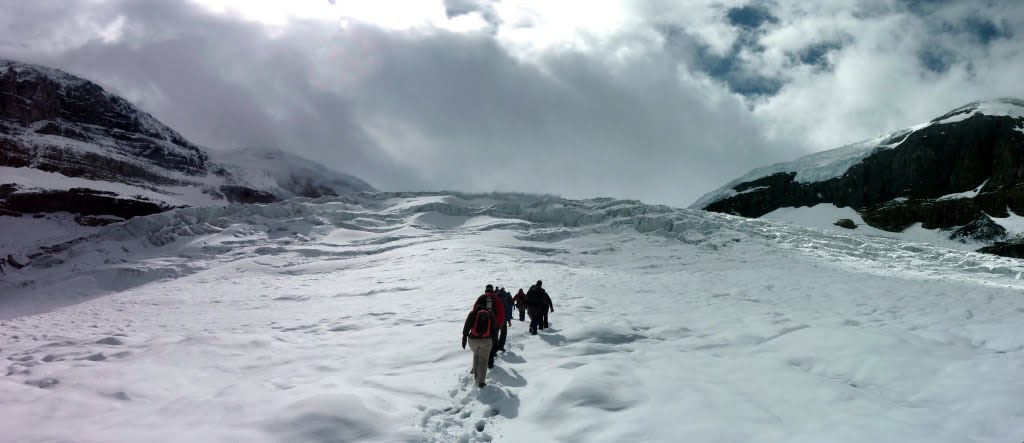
pixel 466 328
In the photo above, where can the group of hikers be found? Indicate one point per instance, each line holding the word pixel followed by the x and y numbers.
pixel 487 324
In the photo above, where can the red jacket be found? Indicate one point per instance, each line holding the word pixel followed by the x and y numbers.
pixel 520 299
pixel 499 308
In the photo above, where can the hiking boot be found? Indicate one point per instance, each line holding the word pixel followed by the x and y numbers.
pixel 481 385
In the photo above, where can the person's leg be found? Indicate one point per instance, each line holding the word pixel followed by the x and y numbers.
pixel 534 320
pixel 545 318
pixel 502 337
pixel 485 350
pixel 479 358
pixel 493 352
pixel 522 314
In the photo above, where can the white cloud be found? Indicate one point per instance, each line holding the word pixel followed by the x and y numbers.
pixel 583 98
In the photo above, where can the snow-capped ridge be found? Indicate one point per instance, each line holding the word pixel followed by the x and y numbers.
pixel 815 167
pixel 1003 107
pixel 29 71
pixel 124 112
pixel 287 175
pixel 825 165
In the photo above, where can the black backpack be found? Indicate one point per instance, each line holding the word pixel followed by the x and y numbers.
pixel 482 324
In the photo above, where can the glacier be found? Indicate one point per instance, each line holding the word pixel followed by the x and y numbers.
pixel 339 319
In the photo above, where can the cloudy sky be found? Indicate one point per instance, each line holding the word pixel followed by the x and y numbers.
pixel 651 99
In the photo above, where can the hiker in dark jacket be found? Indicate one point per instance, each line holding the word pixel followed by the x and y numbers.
pixel 538 302
pixel 499 313
pixel 481 333
pixel 545 307
pixel 507 302
pixel 520 303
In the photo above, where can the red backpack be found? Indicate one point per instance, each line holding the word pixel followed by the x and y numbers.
pixel 481 324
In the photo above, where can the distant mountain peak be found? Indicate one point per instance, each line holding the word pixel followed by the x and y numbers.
pixel 68 145
pixel 1007 106
pixel 29 71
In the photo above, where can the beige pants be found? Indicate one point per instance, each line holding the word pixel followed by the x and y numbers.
pixel 481 348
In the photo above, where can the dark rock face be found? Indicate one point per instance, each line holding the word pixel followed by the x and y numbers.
pixel 923 179
pixel 81 201
pixel 43 101
pixel 94 220
pixel 240 194
pixel 1005 249
pixel 983 229
pixel 845 223
pixel 57 123
pixel 932 162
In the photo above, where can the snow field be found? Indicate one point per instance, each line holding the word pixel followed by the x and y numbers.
pixel 340 320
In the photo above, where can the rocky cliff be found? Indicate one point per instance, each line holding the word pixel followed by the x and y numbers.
pixel 960 172
pixel 67 145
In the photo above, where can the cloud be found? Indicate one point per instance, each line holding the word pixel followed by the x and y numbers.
pixel 874 66
pixel 470 114
pixel 655 99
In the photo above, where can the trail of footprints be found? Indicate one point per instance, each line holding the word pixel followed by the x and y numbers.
pixel 30 364
pixel 472 410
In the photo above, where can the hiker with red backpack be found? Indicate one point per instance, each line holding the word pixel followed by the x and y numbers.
pixel 481 333
pixel 520 303
pixel 499 313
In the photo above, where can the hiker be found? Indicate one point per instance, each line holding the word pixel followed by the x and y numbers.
pixel 539 303
pixel 481 332
pixel 545 307
pixel 507 302
pixel 499 313
pixel 534 299
pixel 520 303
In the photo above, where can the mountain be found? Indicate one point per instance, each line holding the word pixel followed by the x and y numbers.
pixel 339 319
pixel 69 146
pixel 287 175
pixel 953 175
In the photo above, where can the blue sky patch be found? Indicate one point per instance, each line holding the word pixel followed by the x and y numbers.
pixel 750 16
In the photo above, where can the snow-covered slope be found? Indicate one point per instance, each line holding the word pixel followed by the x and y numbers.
pixel 287 175
pixel 338 319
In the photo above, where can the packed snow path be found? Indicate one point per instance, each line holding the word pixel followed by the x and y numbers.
pixel 339 320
